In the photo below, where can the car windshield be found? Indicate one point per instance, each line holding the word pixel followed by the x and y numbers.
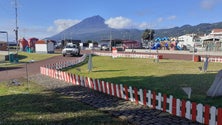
pixel 70 46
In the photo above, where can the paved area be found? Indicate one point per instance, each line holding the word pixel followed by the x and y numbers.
pixel 125 110
pixel 24 69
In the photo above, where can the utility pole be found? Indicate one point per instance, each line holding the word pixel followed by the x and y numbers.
pixel 16 25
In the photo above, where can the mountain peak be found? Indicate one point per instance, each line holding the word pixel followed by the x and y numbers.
pixel 95 18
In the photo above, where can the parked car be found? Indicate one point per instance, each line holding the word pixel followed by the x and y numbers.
pixel 71 49
pixel 104 47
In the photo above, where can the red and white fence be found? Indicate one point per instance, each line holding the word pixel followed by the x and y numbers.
pixel 126 55
pixel 65 63
pixel 197 112
pixel 212 59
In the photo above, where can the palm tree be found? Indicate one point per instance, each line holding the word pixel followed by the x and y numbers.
pixel 148 34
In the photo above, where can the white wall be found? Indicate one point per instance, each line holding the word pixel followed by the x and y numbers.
pixel 41 48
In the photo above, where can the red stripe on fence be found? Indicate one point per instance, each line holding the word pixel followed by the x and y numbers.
pixel 85 82
pixel 136 95
pixel 183 110
pixel 105 86
pixel 74 79
pixel 144 97
pixel 164 102
pixel 69 77
pixel 97 86
pixel 206 114
pixel 54 73
pixel 101 86
pixel 79 80
pixel 174 108
pixel 194 111
pixel 219 116
pixel 110 89
pixel 92 84
pixel 120 95
pixel 154 100
pixel 126 92
pixel 114 88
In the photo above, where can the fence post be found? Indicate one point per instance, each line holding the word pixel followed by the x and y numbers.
pixel 213 112
pixel 110 88
pixel 219 116
pixel 164 102
pixel 206 114
pixel 154 100
pixel 126 92
pixel 194 111
pixel 183 110
pixel 131 94
pixel 200 113
pixel 144 97
pixel 174 109
pixel 136 95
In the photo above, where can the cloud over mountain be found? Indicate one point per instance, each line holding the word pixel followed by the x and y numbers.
pixel 118 22
pixel 62 24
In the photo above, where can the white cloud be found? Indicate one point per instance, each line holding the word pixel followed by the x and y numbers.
pixel 62 24
pixel 171 17
pixel 209 4
pixel 160 19
pixel 118 22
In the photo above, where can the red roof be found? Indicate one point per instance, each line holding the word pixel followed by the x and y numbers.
pixel 216 30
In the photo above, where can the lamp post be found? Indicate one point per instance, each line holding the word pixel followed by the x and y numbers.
pixel 6 41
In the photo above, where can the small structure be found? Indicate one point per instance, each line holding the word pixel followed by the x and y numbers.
pixel 44 46
pixel 23 44
pixel 3 46
pixel 31 44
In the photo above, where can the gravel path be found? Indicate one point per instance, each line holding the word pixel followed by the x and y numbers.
pixel 125 110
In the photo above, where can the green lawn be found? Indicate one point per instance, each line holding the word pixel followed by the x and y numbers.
pixel 27 57
pixel 21 105
pixel 167 76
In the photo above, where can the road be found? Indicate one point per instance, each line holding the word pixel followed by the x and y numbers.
pixel 29 68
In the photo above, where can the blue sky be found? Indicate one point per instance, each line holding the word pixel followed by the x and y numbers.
pixel 43 18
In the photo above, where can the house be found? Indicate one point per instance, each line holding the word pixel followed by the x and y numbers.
pixel 3 46
pixel 44 46
pixel 213 40
pixel 23 44
pixel 189 40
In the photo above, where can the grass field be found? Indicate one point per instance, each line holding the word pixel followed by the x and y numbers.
pixel 23 105
pixel 27 57
pixel 167 76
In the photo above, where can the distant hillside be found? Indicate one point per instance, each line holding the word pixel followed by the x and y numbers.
pixel 203 28
pixel 94 28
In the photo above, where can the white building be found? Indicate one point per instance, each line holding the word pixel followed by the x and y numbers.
pixel 213 40
pixel 189 40
pixel 44 46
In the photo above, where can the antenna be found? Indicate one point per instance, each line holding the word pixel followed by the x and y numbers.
pixel 16 24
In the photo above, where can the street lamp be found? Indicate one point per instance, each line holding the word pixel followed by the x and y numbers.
pixel 7 40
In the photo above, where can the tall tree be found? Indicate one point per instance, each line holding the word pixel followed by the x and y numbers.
pixel 148 34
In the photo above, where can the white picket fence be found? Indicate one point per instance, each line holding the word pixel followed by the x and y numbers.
pixel 197 112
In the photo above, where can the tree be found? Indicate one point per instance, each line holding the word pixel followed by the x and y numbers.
pixel 148 34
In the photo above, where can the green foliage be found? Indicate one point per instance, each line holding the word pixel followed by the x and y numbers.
pixel 148 34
